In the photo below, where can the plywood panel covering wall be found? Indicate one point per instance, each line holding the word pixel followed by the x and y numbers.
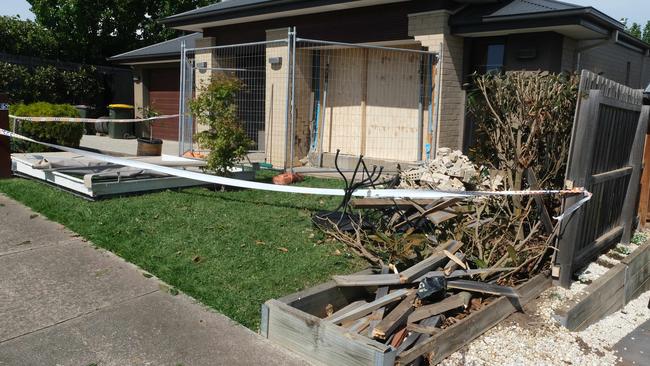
pixel 342 128
pixel 392 108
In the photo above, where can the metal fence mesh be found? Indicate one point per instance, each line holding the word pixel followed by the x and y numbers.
pixel 362 100
pixel 304 99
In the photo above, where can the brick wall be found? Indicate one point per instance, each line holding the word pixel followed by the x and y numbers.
pixel 431 29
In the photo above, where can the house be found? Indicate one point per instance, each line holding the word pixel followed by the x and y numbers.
pixel 401 92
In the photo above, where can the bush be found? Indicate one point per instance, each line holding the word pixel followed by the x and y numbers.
pixel 216 108
pixel 27 38
pixel 49 84
pixel 524 120
pixel 60 133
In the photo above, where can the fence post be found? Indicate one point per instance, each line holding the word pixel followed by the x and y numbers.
pixel 5 149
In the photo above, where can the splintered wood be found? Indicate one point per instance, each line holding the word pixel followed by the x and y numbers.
pixel 408 308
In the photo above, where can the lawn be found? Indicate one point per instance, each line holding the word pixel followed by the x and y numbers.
pixel 231 250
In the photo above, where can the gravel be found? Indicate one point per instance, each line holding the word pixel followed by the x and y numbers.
pixel 537 339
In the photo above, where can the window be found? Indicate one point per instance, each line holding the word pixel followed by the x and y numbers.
pixel 494 58
pixel 487 55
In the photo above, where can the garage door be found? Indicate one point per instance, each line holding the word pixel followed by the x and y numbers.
pixel 163 98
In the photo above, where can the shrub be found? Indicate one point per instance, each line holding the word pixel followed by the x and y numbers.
pixel 524 120
pixel 49 84
pixel 60 133
pixel 216 108
pixel 13 79
pixel 27 38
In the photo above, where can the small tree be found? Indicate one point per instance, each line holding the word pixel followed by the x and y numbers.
pixel 215 107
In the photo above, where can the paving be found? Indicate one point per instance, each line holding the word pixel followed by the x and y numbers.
pixel 65 302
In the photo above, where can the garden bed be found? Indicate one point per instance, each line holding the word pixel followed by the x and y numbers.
pixel 298 322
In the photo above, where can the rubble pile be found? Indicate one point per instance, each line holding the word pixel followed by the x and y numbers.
pixel 449 171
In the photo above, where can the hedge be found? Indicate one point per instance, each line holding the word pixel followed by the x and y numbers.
pixel 49 84
pixel 60 133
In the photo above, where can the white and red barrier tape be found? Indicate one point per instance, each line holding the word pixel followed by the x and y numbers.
pixel 90 120
pixel 368 193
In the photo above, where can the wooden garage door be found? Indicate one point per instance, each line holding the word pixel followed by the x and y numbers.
pixel 163 98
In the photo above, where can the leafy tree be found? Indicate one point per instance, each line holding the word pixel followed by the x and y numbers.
pixel 27 38
pixel 216 108
pixel 635 30
pixel 91 31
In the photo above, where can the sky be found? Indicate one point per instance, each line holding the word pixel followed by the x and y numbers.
pixel 636 10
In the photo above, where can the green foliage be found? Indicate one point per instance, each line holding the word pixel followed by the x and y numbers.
pixel 27 38
pixel 639 238
pixel 524 120
pixel 82 86
pixel 91 31
pixel 635 30
pixel 13 79
pixel 60 133
pixel 216 108
pixel 48 84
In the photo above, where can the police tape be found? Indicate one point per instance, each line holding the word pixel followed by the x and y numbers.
pixel 90 120
pixel 367 193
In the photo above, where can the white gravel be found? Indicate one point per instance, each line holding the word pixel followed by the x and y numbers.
pixel 537 339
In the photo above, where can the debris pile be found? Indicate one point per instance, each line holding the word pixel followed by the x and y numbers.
pixel 498 232
pixel 410 307
pixel 449 171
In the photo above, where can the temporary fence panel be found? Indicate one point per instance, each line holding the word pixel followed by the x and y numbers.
pixel 262 68
pixel 605 158
pixel 304 98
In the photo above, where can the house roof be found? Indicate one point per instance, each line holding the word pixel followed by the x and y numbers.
pixel 240 11
pixel 504 17
pixel 164 51
pixel 532 6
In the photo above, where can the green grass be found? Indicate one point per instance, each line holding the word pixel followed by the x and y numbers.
pixel 226 249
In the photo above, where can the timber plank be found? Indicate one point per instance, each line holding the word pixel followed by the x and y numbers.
pixel 395 318
pixel 321 342
pixel 458 335
pixel 598 298
pixel 379 203
pixel 427 311
pixel 482 287
pixel 437 259
pixel 370 307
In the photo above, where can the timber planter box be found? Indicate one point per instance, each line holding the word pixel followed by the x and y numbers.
pixel 296 322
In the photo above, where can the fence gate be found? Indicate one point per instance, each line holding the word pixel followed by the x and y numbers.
pixel 305 99
pixel 605 157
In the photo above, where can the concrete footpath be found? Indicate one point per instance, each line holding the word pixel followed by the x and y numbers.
pixel 64 302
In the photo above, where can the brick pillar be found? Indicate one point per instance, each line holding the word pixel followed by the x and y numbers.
pixel 5 150
pixel 431 29
pixel 277 74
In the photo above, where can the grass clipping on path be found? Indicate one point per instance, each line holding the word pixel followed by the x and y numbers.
pixel 231 250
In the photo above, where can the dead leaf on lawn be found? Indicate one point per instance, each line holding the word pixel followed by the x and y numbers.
pixel 283 249
pixel 197 259
pixel 337 252
pixel 259 242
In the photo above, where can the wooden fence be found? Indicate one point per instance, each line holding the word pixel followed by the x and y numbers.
pixel 605 157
